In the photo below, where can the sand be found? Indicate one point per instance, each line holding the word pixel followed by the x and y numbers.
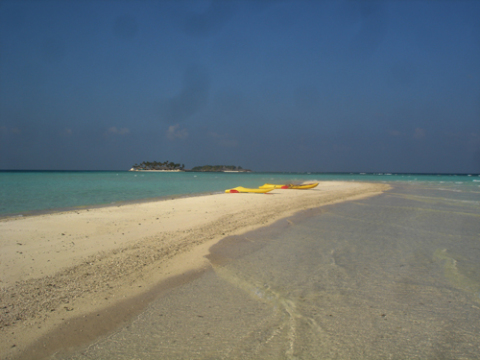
pixel 61 267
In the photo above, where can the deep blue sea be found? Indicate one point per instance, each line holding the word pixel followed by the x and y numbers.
pixel 24 192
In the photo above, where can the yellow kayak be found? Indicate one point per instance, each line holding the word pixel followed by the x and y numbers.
pixel 241 189
pixel 273 186
pixel 289 186
pixel 306 186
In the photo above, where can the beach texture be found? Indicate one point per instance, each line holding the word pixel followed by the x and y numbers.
pixel 62 267
pixel 393 276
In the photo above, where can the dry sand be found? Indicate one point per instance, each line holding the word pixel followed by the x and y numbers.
pixel 105 263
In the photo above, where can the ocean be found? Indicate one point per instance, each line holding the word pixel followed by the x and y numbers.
pixel 29 192
pixel 394 276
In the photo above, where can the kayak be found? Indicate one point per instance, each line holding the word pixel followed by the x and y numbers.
pixel 241 189
pixel 306 186
pixel 273 186
pixel 289 186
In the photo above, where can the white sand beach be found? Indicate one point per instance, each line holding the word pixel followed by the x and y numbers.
pixel 61 266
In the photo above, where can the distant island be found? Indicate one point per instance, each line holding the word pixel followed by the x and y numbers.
pixel 158 166
pixel 171 166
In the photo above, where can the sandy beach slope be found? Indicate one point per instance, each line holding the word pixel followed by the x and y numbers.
pixel 59 267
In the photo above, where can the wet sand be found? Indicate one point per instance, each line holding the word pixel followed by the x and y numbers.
pixel 394 276
pixel 83 273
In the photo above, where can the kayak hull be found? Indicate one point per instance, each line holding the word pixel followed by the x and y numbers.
pixel 289 186
pixel 273 186
pixel 303 187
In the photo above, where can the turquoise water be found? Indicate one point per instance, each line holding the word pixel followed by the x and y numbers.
pixel 25 192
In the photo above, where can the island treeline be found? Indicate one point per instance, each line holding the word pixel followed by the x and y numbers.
pixel 155 165
pixel 171 166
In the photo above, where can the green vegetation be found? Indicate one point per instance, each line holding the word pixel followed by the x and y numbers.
pixel 155 165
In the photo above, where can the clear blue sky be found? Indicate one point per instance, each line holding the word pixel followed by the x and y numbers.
pixel 361 86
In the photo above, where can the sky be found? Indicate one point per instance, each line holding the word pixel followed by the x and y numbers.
pixel 301 86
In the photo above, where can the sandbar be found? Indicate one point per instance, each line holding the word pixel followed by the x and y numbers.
pixel 59 267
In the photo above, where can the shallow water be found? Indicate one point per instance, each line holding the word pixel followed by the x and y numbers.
pixel 395 276
pixel 24 192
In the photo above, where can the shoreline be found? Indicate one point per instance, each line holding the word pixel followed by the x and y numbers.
pixel 60 210
pixel 64 266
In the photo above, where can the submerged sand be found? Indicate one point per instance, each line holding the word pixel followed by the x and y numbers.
pixel 59 269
